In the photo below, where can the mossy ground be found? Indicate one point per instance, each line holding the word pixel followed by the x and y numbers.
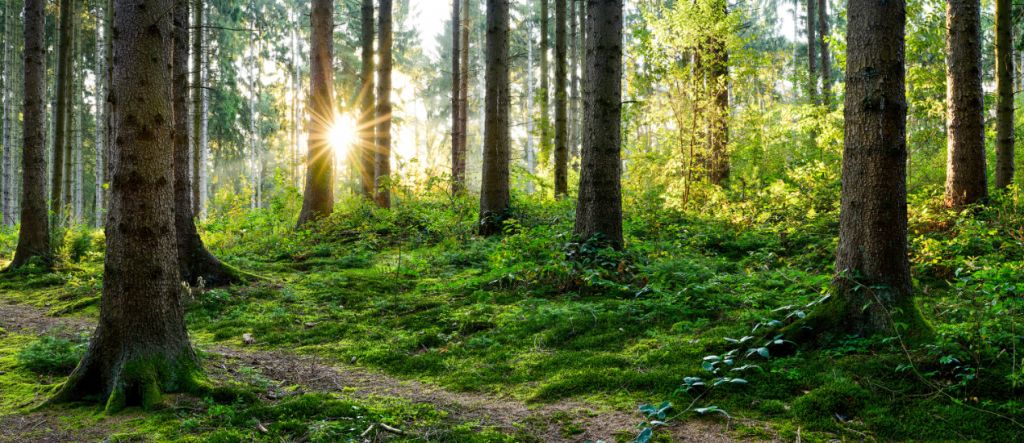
pixel 528 315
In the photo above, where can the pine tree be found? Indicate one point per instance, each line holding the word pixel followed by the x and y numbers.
pixel 494 191
pixel 1004 89
pixel 966 180
pixel 561 103
pixel 318 197
pixel 382 168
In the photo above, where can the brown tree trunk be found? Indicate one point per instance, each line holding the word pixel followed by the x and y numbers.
pixel 458 177
pixel 494 191
pixel 318 197
pixel 826 61
pixel 966 180
pixel 62 90
pixel 561 104
pixel 599 208
pixel 1004 89
pixel 812 54
pixel 872 287
pixel 198 141
pixel 718 164
pixel 367 134
pixel 140 348
pixel 34 235
pixel 545 87
pixel 464 89
pixel 195 262
pixel 382 170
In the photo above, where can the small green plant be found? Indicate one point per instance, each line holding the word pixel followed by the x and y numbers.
pixel 51 355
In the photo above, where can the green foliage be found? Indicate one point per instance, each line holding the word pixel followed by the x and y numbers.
pixel 838 399
pixel 51 355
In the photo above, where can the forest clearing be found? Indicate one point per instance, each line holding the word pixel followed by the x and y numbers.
pixel 495 221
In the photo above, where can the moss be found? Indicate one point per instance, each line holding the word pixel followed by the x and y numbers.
pixel 839 398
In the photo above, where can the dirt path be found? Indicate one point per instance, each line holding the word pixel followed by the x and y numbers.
pixel 545 422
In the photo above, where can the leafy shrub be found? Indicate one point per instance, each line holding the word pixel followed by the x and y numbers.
pixel 51 355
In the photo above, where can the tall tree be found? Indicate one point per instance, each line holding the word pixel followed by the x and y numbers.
pixel 826 60
pixel 318 197
pixel 966 182
pixel 495 198
pixel 61 90
pixel 382 170
pixel 34 235
pixel 718 127
pixel 561 104
pixel 1004 89
pixel 367 124
pixel 574 80
pixel 812 53
pixel 458 151
pixel 464 87
pixel 195 262
pixel 198 112
pixel 100 133
pixel 6 110
pixel 545 89
pixel 77 120
pixel 872 287
pixel 140 348
pixel 599 206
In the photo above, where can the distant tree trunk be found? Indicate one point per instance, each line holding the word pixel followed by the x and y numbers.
pixel 826 61
pixel 100 139
pixel 61 90
pixel 108 106
pixel 1004 89
pixel 494 191
pixel 545 89
pixel 382 171
pixel 812 54
pixel 718 164
pixel 6 69
pixel 140 348
pixel 561 104
pixel 458 151
pixel 201 173
pixel 367 125
pixel 599 207
pixel 531 154
pixel 464 87
pixel 574 88
pixel 872 287
pixel 34 234
pixel 195 262
pixel 77 120
pixel 318 197
pixel 966 182
pixel 198 113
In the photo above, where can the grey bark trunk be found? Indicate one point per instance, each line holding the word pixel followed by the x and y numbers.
pixel 100 139
pixel 1004 90
pixel 367 126
pixel 966 180
pixel 545 89
pixel 574 94
pixel 318 197
pixel 464 89
pixel 826 60
pixel 140 348
pixel 561 104
pixel 34 235
pixel 61 90
pixel 494 190
pixel 198 113
pixel 6 138
pixel 531 155
pixel 599 207
pixel 458 152
pixel 812 53
pixel 382 168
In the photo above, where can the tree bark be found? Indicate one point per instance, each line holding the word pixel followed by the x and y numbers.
pixel 574 86
pixel 1004 89
pixel 561 104
pixel 367 125
pixel 382 169
pixel 464 88
pixel 34 233
pixel 318 197
pixel 530 154
pixel 812 54
pixel 826 61
pixel 872 287
pixel 545 89
pixel 458 178
pixel 198 113
pixel 100 139
pixel 966 180
pixel 495 199
pixel 78 110
pixel 6 137
pixel 140 348
pixel 599 207
pixel 60 111
pixel 718 163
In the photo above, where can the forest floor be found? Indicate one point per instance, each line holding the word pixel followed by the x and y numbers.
pixel 403 325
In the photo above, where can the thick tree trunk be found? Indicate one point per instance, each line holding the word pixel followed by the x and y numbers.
pixel 195 262
pixel 872 287
pixel 1004 89
pixel 60 112
pixel 140 348
pixel 367 125
pixel 382 169
pixel 100 139
pixel 494 190
pixel 599 208
pixel 318 197
pixel 812 53
pixel 561 104
pixel 458 176
pixel 966 180
pixel 545 89
pixel 826 61
pixel 34 234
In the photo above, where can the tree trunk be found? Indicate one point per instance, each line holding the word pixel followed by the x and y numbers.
pixel 318 197
pixel 826 61
pixel 197 108
pixel 718 163
pixel 78 110
pixel 34 234
pixel 561 104
pixel 494 190
pixel 966 182
pixel 812 54
pixel 202 181
pixel 599 208
pixel 6 139
pixel 872 287
pixel 382 168
pixel 531 155
pixel 367 125
pixel 100 140
pixel 195 262
pixel 458 153
pixel 60 111
pixel 140 348
pixel 574 86
pixel 1004 89
pixel 464 89
pixel 545 89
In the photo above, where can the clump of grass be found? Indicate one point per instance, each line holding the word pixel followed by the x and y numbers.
pixel 51 355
